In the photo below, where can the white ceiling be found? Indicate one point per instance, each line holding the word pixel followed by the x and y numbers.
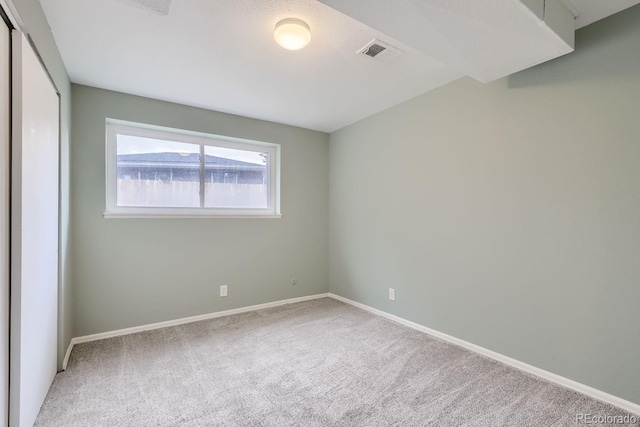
pixel 486 39
pixel 590 11
pixel 220 54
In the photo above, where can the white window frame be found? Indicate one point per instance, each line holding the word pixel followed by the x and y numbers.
pixel 120 127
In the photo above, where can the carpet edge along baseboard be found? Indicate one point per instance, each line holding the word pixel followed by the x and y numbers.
pixel 538 372
pixel 180 321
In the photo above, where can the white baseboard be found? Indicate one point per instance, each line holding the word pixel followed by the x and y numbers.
pixel 65 361
pixel 541 373
pixel 133 330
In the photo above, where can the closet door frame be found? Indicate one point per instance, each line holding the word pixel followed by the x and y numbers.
pixel 6 28
pixel 35 240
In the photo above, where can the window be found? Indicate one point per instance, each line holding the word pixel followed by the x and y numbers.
pixel 153 171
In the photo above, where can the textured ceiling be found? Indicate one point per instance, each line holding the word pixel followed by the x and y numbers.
pixel 220 54
pixel 486 39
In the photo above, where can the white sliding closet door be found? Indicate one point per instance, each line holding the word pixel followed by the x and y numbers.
pixel 34 234
pixel 5 105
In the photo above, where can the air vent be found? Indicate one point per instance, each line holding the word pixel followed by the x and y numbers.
pixel 373 50
pixel 380 51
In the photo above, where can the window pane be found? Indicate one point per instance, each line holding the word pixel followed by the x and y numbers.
pixel 154 172
pixel 235 178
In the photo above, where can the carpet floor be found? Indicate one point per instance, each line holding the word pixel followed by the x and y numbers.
pixel 314 363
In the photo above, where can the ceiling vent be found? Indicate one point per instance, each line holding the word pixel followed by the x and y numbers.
pixel 380 51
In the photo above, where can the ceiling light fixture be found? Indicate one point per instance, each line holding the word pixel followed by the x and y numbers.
pixel 292 33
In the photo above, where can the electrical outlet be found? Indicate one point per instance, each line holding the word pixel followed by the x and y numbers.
pixel 392 294
pixel 294 281
pixel 223 290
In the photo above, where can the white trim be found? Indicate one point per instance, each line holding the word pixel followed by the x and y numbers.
pixel 5 213
pixel 67 355
pixel 12 14
pixel 157 131
pixel 175 322
pixel 112 215
pixel 541 373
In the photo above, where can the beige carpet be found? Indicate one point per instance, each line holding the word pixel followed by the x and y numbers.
pixel 315 363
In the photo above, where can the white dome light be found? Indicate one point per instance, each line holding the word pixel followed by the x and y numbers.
pixel 292 34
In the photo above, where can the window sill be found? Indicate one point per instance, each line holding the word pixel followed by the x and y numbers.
pixel 118 215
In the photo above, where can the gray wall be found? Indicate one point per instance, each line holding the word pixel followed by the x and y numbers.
pixel 130 272
pixel 507 214
pixel 35 25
